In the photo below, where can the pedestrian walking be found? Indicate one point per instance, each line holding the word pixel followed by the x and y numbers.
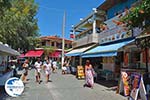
pixel 89 75
pixel 64 69
pixel 25 71
pixel 54 64
pixel 38 65
pixel 47 70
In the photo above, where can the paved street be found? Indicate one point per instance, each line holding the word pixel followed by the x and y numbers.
pixel 63 87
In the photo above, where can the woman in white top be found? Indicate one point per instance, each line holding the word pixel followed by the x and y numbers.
pixel 54 66
pixel 47 69
pixel 38 65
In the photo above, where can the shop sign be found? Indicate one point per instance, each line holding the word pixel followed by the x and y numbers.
pixel 137 31
pixel 14 87
pixel 133 85
pixel 114 34
pixel 125 79
pixel 80 72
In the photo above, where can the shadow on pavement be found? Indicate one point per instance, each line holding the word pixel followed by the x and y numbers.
pixel 112 84
pixel 3 94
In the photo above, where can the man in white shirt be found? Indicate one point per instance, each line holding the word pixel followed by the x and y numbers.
pixel 47 69
pixel 38 65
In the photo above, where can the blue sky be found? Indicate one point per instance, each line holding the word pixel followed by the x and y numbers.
pixel 50 14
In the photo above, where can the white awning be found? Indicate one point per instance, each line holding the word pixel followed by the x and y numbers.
pixel 8 51
pixel 79 51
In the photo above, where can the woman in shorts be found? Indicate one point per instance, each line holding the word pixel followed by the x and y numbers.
pixel 25 70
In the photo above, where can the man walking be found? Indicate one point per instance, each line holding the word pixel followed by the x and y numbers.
pixel 47 69
pixel 37 66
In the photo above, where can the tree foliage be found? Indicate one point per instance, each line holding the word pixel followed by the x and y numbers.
pixel 48 50
pixel 139 16
pixel 18 23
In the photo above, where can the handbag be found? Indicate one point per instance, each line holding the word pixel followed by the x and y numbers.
pixel 94 73
pixel 23 71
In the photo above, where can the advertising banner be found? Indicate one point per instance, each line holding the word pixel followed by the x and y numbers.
pixel 133 85
pixel 80 72
pixel 125 79
pixel 143 90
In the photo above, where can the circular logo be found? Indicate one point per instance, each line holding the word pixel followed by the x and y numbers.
pixel 14 87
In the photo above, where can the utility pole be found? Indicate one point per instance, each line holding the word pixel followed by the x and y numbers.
pixel 63 39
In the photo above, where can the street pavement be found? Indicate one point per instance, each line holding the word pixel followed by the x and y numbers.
pixel 63 87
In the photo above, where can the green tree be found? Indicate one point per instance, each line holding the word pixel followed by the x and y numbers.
pixel 48 50
pixel 18 22
pixel 139 16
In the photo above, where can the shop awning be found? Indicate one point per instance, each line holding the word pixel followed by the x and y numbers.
pixel 8 51
pixel 108 54
pixel 22 56
pixel 78 51
pixel 55 54
pixel 34 53
pixel 106 50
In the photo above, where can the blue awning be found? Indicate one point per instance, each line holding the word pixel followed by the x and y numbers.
pixel 73 54
pixel 108 54
pixel 106 50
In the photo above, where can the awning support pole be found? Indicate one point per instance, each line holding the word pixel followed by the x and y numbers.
pixel 80 61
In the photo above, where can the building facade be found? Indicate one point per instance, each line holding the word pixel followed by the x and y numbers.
pixel 104 28
pixel 55 43
pixel 86 35
pixel 118 48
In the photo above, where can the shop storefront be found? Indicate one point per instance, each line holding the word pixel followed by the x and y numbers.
pixel 76 54
pixel 135 78
pixel 6 70
pixel 111 54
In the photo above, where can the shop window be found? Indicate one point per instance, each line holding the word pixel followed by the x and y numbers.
pixel 120 56
pixel 96 63
pixel 59 45
pixel 134 59
pixel 70 46
pixel 52 44
pixel 48 43
pixel 43 43
pixel 66 46
pixel 3 64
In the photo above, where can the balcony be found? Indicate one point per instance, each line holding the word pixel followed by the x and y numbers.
pixel 85 40
pixel 86 31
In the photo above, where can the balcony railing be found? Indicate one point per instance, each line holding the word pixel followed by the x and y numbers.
pixel 88 39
